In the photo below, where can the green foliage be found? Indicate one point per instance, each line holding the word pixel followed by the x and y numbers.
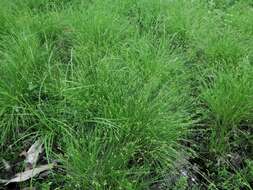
pixel 227 179
pixel 112 87
pixel 229 98
pixel 181 183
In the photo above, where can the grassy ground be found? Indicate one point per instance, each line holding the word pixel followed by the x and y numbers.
pixel 129 94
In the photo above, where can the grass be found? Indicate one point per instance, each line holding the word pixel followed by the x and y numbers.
pixel 229 100
pixel 115 89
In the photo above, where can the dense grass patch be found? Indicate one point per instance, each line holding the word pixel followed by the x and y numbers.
pixel 129 94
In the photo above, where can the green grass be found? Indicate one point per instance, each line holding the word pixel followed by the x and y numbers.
pixel 229 98
pixel 114 89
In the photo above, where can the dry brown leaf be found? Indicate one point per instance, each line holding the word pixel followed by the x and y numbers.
pixel 23 176
pixel 33 153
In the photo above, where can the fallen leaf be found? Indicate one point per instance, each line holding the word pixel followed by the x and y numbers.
pixel 3 181
pixel 33 153
pixel 23 153
pixel 23 176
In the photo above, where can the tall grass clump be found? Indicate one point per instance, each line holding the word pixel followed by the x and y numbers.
pixel 229 101
pixel 99 79
pixel 30 76
pixel 127 105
